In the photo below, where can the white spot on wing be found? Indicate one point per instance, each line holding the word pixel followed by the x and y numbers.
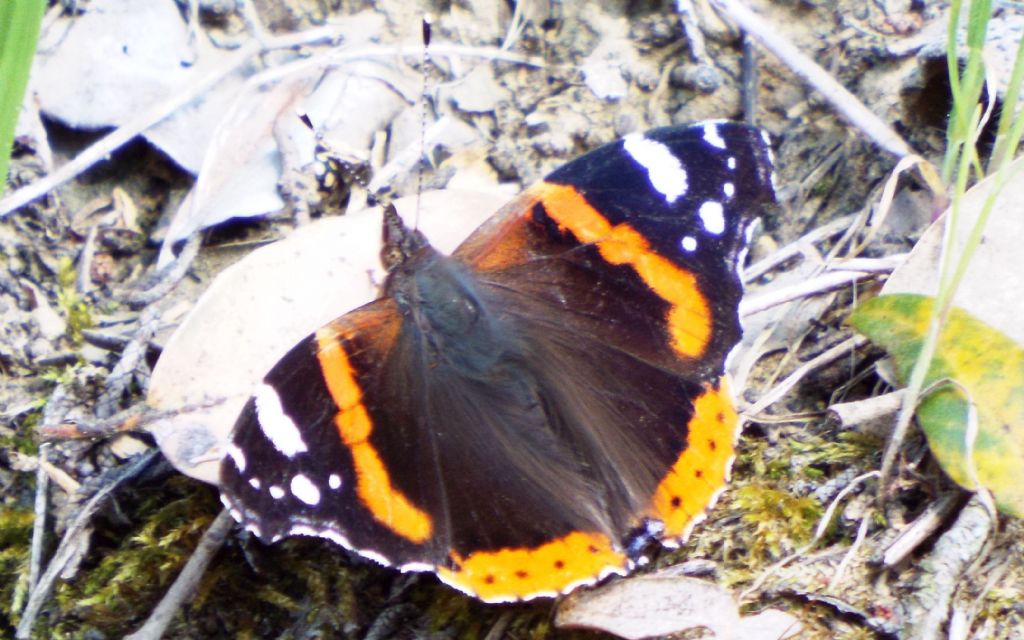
pixel 729 189
pixel 275 423
pixel 304 489
pixel 689 244
pixel 238 456
pixel 334 481
pixel 254 483
pixel 276 492
pixel 664 170
pixel 713 136
pixel 731 163
pixel 712 217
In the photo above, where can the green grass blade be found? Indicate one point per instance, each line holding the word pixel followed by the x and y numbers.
pixel 19 31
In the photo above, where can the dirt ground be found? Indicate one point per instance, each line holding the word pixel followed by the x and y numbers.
pixel 66 323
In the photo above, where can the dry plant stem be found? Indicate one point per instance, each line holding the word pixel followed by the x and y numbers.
pixel 69 543
pixel 59 476
pixel 497 632
pixel 853 414
pixel 847 104
pixel 172 274
pixel 821 284
pixel 404 161
pixel 927 607
pixel 858 542
pixel 187 582
pixel 132 359
pixel 39 520
pixel 921 529
pixel 885 202
pixel 820 360
pixel 796 248
pixel 122 421
pixel 885 265
pixel 694 36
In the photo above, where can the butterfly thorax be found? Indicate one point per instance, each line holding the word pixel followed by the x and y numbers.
pixel 444 314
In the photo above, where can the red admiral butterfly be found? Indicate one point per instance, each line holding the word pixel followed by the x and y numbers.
pixel 522 416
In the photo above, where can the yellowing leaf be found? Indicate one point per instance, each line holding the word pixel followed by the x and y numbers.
pixel 978 361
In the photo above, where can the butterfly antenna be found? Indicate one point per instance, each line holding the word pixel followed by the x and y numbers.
pixel 423 112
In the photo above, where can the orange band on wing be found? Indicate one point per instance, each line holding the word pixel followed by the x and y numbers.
pixel 552 568
pixel 701 471
pixel 373 483
pixel 689 317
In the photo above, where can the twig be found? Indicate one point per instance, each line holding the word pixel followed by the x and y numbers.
pixel 184 587
pixel 847 104
pixel 822 284
pixel 69 543
pixel 923 526
pixel 797 247
pixel 169 276
pixel 132 358
pixel 39 520
pixel 928 606
pixel 862 531
pixel 821 360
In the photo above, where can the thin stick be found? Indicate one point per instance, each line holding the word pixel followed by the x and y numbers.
pixel 821 284
pixel 792 379
pixel 39 521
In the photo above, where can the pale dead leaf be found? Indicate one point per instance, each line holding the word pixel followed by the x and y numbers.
pixel 120 58
pixel 242 164
pixel 258 308
pixel 240 173
pixel 652 605
pixel 101 68
pixel 770 624
pixel 993 287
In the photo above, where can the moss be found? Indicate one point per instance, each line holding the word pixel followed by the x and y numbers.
pixel 76 310
pixel 23 437
pixel 781 522
pixel 846 448
pixel 15 537
pixel 133 571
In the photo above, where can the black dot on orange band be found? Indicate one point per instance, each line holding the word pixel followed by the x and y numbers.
pixel 720 417
pixel 521 574
pixel 489 579
pixel 698 473
pixel 592 549
pixel 676 501
pixel 559 564
pixel 712 445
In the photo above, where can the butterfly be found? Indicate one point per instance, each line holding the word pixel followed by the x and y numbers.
pixel 523 416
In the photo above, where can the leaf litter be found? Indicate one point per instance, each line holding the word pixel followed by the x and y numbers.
pixel 533 118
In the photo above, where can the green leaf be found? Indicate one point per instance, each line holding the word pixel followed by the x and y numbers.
pixel 974 363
